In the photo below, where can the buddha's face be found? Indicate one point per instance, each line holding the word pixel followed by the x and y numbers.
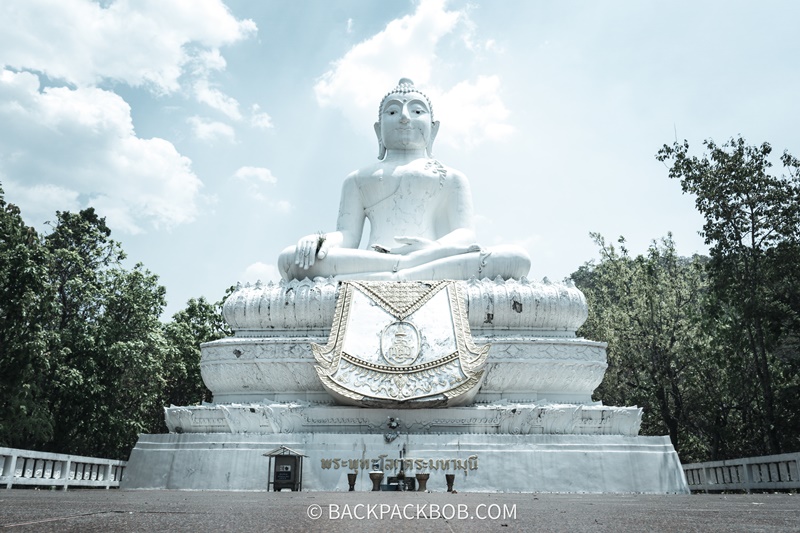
pixel 405 122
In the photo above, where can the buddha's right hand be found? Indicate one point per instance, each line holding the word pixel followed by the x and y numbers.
pixel 419 245
pixel 309 249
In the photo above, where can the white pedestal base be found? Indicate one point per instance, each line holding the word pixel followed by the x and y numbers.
pixel 481 463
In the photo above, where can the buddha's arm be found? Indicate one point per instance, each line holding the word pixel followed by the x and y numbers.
pixel 350 224
pixel 458 212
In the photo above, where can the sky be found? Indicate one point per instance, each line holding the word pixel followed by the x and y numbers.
pixel 212 134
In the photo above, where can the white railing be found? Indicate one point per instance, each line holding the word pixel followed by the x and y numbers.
pixel 769 472
pixel 25 467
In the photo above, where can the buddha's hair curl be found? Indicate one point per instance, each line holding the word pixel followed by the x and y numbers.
pixel 405 86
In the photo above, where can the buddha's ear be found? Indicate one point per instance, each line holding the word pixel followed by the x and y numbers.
pixel 381 146
pixel 434 131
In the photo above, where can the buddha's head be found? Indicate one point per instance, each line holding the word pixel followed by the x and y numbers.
pixel 405 120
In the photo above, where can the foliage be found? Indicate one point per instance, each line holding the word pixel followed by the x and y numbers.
pixel 85 362
pixel 107 382
pixel 752 225
pixel 648 309
pixel 199 322
pixel 25 309
pixel 710 347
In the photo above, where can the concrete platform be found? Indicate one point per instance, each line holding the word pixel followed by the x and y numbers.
pixel 481 463
pixel 202 511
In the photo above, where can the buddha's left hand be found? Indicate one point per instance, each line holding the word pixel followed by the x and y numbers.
pixel 413 244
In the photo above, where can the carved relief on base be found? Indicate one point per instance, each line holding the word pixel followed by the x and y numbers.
pixel 506 418
pixel 402 344
pixel 552 309
pixel 521 368
pixel 534 354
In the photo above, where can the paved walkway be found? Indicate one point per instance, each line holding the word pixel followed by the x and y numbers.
pixel 200 512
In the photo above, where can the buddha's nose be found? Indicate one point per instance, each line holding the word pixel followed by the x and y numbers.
pixel 405 116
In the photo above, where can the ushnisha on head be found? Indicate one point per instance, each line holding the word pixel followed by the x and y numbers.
pixel 405 86
pixel 405 120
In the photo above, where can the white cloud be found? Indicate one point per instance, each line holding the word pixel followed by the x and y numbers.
pixel 41 201
pixel 205 62
pixel 217 99
pixel 473 43
pixel 80 144
pixel 406 46
pixel 255 174
pixel 491 45
pixel 259 119
pixel 471 111
pixel 282 206
pixel 159 45
pixel 475 112
pixel 72 146
pixel 117 213
pixel 255 179
pixel 260 272
pixel 210 130
pixel 138 42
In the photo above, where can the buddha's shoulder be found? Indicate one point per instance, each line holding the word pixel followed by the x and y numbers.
pixel 368 171
pixel 422 167
pixel 454 173
pixel 450 175
pixel 379 169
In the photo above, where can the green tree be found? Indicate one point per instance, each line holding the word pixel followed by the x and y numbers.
pixel 25 309
pixel 110 349
pixel 85 363
pixel 752 225
pixel 647 308
pixel 131 362
pixel 199 322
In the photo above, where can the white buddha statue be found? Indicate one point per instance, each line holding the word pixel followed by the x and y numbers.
pixel 420 212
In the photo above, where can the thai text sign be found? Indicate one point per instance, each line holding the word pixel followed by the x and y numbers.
pixel 470 463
